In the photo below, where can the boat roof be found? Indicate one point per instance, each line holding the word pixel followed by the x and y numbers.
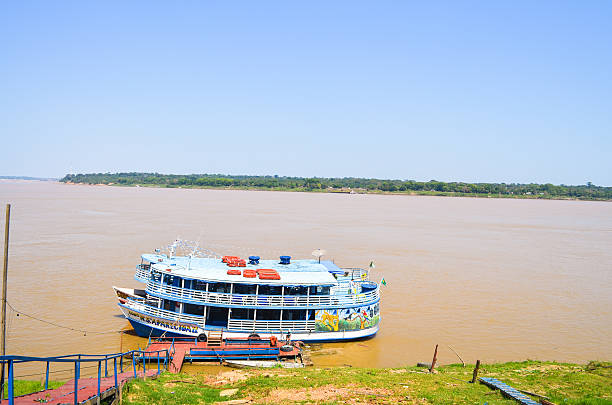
pixel 298 272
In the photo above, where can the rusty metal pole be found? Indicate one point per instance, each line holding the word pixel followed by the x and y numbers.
pixel 4 278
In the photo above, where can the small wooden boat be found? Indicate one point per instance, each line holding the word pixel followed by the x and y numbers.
pixel 123 294
pixel 261 364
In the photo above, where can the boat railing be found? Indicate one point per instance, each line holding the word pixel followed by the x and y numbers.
pixel 117 359
pixel 207 297
pixel 172 316
pixel 143 275
pixel 356 273
pixel 233 324
pixel 249 325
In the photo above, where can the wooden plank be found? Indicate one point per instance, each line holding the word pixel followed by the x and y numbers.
pixel 508 391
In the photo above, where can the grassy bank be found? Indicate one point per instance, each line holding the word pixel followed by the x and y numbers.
pixel 23 387
pixel 346 185
pixel 562 383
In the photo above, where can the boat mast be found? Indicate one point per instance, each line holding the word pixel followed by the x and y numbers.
pixel 4 278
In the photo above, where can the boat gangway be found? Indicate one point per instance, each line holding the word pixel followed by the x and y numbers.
pixel 219 349
pixel 83 390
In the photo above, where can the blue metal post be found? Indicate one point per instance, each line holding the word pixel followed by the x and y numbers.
pixel 144 364
pixel 77 371
pixel 158 354
pixel 47 378
pixel 11 377
pixel 105 366
pixel 134 363
pixel 99 372
pixel 115 359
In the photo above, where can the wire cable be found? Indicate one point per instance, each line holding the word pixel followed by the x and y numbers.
pixel 84 331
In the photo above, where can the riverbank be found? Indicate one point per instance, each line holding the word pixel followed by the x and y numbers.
pixel 563 383
pixel 350 185
pixel 359 191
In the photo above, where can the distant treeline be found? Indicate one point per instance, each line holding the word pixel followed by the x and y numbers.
pixel 346 184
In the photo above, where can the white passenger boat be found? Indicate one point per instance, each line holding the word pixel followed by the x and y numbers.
pixel 313 300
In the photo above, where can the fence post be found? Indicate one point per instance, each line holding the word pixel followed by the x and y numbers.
pixel 77 371
pixel 99 373
pixel 158 353
pixel 115 359
pixel 47 377
pixel 105 365
pixel 11 377
pixel 144 365
pixel 121 362
pixel 134 363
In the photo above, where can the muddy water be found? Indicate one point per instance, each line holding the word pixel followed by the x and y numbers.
pixel 494 279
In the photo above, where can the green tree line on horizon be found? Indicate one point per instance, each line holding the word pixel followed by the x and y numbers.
pixel 585 192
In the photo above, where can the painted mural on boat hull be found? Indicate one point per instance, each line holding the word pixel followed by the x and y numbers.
pixel 333 320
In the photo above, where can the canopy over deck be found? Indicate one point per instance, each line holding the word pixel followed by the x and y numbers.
pixel 298 272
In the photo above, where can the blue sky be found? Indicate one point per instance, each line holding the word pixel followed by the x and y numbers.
pixel 489 91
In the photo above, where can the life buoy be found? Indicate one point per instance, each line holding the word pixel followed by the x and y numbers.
pixel 202 337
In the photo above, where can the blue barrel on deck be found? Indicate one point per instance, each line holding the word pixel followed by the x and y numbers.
pixel 285 259
pixel 368 286
pixel 253 259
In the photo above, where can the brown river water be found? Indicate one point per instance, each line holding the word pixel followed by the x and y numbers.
pixel 493 279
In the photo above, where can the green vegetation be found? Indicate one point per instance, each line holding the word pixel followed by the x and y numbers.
pixel 23 387
pixel 347 184
pixel 562 383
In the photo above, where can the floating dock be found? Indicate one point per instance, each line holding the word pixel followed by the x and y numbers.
pixel 218 349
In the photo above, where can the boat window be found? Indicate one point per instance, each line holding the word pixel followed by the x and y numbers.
pixel 244 289
pixel 294 315
pixel 217 316
pixel 193 309
pixel 270 290
pixel 155 276
pixel 168 279
pixel 242 313
pixel 199 285
pixel 268 314
pixel 295 290
pixel 311 315
pixel 322 290
pixel 170 305
pixel 219 287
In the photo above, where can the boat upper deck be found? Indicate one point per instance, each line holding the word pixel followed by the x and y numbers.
pixel 298 272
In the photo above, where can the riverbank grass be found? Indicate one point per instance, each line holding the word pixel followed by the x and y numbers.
pixel 23 387
pixel 563 383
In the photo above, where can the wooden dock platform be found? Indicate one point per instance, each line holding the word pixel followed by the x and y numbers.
pixel 87 390
pixel 84 390
pixel 190 349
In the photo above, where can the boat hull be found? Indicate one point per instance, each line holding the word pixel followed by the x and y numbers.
pixel 153 327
